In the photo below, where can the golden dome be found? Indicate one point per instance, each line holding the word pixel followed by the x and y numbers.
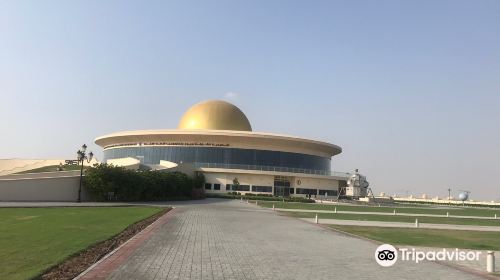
pixel 215 115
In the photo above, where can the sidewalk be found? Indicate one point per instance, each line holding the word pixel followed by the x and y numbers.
pixel 226 239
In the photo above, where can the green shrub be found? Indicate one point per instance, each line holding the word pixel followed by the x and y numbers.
pixel 143 185
pixel 231 195
pixel 258 194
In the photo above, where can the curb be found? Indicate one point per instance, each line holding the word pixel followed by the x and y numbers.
pixel 102 273
pixel 470 271
pixel 449 265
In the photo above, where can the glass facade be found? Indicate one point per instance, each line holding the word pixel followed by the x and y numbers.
pixel 306 191
pixel 241 188
pixel 262 189
pixel 219 157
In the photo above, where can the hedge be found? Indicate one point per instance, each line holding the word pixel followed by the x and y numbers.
pixel 233 195
pixel 108 182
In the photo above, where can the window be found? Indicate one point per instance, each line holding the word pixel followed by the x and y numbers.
pixel 282 181
pixel 228 187
pixel 328 192
pixel 241 188
pixel 262 189
pixel 292 190
pixel 306 191
pixel 225 157
pixel 208 186
pixel 216 187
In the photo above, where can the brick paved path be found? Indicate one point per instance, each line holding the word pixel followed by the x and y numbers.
pixel 227 239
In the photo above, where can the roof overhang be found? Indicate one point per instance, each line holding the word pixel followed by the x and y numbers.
pixel 221 138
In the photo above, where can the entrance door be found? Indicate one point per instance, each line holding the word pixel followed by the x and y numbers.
pixel 281 191
pixel 282 186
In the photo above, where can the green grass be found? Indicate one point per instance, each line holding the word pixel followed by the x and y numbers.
pixel 52 168
pixel 34 239
pixel 459 211
pixel 402 219
pixel 478 240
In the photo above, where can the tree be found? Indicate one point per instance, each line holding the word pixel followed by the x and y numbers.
pixel 236 184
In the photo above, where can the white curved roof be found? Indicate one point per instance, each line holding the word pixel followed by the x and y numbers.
pixel 224 138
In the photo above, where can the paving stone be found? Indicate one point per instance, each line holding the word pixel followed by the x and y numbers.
pixel 226 239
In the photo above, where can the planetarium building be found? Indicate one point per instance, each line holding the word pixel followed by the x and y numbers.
pixel 215 137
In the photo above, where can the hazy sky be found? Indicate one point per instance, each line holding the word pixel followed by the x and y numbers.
pixel 410 91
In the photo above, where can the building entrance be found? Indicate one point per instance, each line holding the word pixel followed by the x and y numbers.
pixel 282 186
pixel 281 191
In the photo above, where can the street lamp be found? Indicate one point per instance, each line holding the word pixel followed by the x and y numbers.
pixel 82 156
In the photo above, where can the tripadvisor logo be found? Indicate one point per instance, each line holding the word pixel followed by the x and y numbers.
pixel 387 255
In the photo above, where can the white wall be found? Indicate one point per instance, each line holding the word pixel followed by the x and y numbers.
pixel 268 180
pixel 316 183
pixel 55 188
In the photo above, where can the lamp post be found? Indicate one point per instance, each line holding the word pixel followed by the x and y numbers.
pixel 82 156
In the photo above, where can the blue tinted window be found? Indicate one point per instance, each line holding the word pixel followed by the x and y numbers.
pixel 227 158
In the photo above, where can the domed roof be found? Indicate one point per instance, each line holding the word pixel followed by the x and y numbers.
pixel 215 115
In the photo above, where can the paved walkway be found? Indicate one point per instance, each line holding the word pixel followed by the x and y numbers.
pixel 402 225
pixel 227 239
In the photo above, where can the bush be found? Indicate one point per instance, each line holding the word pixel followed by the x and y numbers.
pixel 127 185
pixel 258 194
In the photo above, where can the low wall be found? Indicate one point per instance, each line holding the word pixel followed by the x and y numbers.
pixel 61 186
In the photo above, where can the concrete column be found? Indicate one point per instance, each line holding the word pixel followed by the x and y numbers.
pixel 335 211
pixel 394 211
pixel 447 214
pixel 273 207
pixel 316 219
pixel 416 222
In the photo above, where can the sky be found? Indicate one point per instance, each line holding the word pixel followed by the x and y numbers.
pixel 409 89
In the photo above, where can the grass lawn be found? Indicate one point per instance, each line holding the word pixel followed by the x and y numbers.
pixel 403 219
pixel 428 237
pixel 34 239
pixel 423 209
pixel 53 168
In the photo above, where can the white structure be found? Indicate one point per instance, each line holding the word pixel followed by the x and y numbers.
pixel 215 138
pixel 357 185
pixel 46 186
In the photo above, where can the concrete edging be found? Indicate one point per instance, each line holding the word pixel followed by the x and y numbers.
pixel 126 243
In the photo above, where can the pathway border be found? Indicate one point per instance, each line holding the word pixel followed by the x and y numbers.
pixel 105 266
pixel 458 267
pixel 403 225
